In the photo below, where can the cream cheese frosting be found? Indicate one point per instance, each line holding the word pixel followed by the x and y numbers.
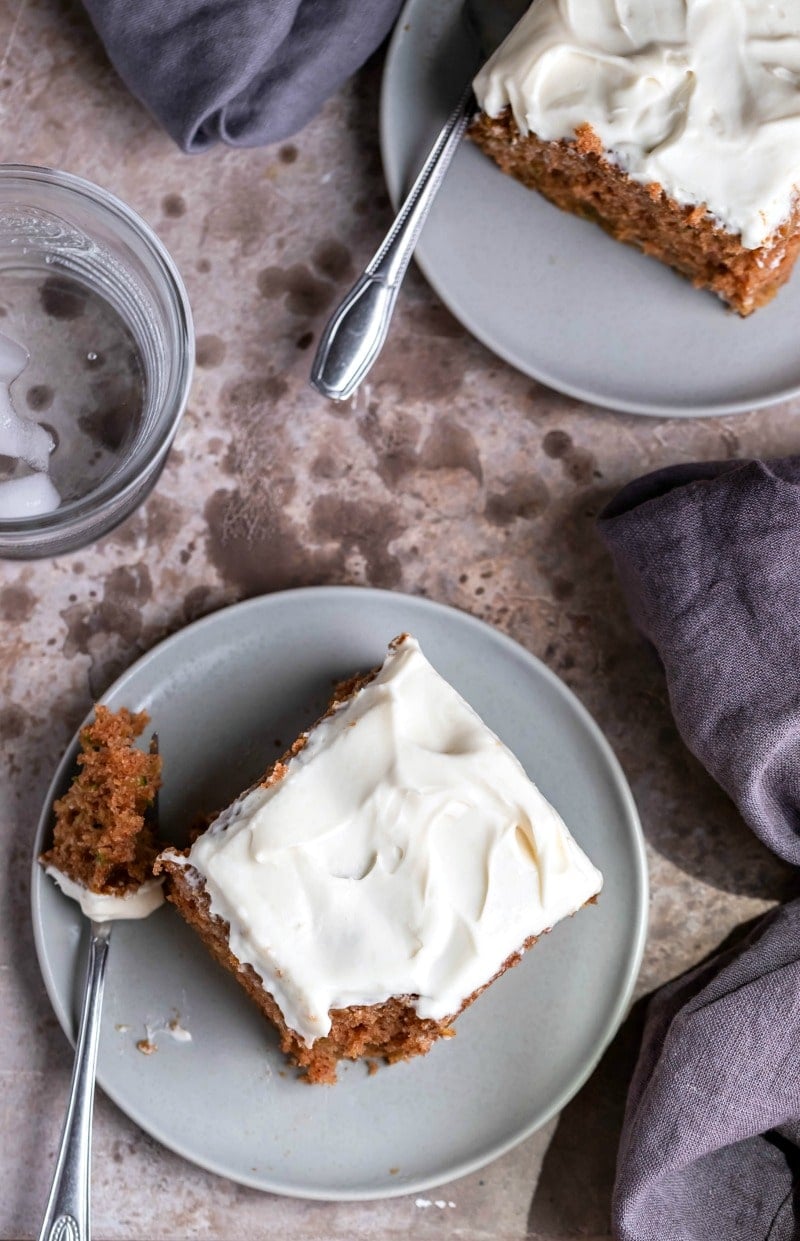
pixel 700 96
pixel 103 907
pixel 405 852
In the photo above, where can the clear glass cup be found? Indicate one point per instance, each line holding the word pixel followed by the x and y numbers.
pixel 90 292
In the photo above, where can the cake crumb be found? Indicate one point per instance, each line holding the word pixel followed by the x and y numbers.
pixel 146 1047
pixel 587 141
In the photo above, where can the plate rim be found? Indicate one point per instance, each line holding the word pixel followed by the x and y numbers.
pixel 627 983
pixel 395 182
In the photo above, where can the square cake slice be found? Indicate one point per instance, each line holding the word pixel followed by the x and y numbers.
pixel 385 871
pixel 675 124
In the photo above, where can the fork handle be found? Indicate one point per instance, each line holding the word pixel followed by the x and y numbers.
pixel 67 1214
pixel 356 331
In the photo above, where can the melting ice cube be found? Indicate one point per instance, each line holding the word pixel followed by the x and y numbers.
pixel 13 359
pixel 27 497
pixel 24 440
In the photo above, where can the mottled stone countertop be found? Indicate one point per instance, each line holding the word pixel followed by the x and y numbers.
pixel 456 478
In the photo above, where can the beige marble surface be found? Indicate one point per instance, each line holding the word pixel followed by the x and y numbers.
pixel 455 478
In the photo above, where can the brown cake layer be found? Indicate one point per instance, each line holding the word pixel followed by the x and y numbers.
pixel 577 177
pixel 103 836
pixel 391 1030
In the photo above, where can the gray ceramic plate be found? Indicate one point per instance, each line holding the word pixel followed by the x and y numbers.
pixel 223 693
pixel 551 294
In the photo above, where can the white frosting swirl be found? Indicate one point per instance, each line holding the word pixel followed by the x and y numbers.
pixel 700 96
pixel 405 852
pixel 103 906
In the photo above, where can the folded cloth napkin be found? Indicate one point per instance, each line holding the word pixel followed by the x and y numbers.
pixel 709 557
pixel 710 1148
pixel 244 71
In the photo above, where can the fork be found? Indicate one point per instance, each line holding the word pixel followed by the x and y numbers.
pixel 67 1215
pixel 357 329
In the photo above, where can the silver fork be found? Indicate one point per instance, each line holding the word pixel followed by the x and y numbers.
pixel 67 1215
pixel 357 329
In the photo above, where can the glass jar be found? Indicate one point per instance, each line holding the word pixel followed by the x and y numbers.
pixel 91 294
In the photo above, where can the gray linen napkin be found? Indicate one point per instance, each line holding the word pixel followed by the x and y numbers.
pixel 709 557
pixel 710 1147
pixel 247 72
